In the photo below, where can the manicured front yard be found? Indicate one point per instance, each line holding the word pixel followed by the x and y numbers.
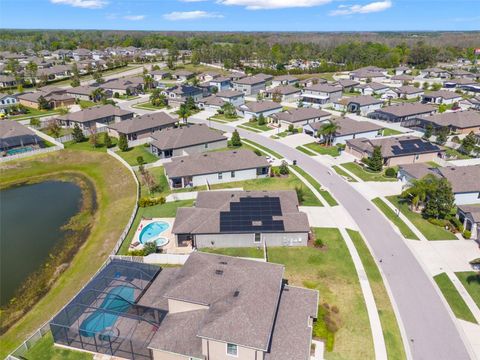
pixel 365 174
pixel 391 331
pixel 31 112
pixel 131 155
pixel 306 151
pixel 222 118
pixel 324 150
pixel 45 350
pixel 263 148
pixel 343 173
pixel 84 104
pixel 454 154
pixel 390 214
pixel 255 126
pixel 331 271
pixel 249 252
pixel 147 106
pixel 429 230
pixel 454 299
pixel 471 282
pixel 325 194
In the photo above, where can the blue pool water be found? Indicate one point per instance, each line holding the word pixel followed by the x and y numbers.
pixel 19 150
pixel 152 232
pixel 118 299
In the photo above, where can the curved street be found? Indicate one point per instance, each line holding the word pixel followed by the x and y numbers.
pixel 430 329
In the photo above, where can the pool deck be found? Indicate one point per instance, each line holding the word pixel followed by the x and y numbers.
pixel 136 244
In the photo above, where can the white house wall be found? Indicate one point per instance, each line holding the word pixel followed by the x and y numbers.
pixel 240 175
pixel 467 198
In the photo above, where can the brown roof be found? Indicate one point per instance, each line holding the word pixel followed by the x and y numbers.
pixel 363 100
pixel 347 83
pixel 407 109
pixel 327 88
pixel 419 170
pixel 462 178
pixel 10 128
pixel 284 90
pixel 408 90
pixel 458 119
pixel 444 94
pixel 214 162
pixel 301 114
pixel 373 85
pixel 213 207
pixel 229 93
pixel 144 122
pixel 185 136
pixel 250 80
pixel 348 126
pixel 260 106
pixel 95 112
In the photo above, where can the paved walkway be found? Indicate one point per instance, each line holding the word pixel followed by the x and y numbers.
pixel 335 216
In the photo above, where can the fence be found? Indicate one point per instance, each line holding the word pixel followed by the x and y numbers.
pixel 145 140
pixel 30 153
pixel 69 137
pixel 173 259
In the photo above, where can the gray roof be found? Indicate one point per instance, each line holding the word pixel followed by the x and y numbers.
pixel 260 106
pixel 95 112
pixel 229 93
pixel 408 90
pixel 144 122
pixel 301 114
pixel 462 178
pixel 291 333
pixel 285 78
pixel 458 119
pixel 327 88
pixel 246 319
pixel 347 83
pixel 185 136
pixel 407 109
pixel 444 94
pixel 154 296
pixel 402 77
pixel 473 210
pixel 213 100
pixel 348 126
pixel 363 100
pixel 284 90
pixel 81 90
pixel 250 80
pixel 122 84
pixel 214 162
pixel 373 85
pixel 183 73
pixel 211 206
pixel 10 128
pixel 418 170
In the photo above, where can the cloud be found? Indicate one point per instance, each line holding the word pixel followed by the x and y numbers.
pixel 85 4
pixel 362 9
pixel 191 15
pixel 134 17
pixel 273 4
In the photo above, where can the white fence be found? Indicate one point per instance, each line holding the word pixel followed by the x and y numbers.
pixel 69 137
pixel 133 143
pixel 172 259
pixel 30 153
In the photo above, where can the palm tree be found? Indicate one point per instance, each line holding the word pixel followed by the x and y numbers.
pixel 97 94
pixel 184 112
pixel 328 131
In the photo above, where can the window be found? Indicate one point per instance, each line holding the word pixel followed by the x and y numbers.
pixel 232 174
pixel 220 176
pixel 258 238
pixel 232 349
pixel 206 146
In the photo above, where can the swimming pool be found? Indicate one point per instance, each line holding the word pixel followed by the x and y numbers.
pixel 19 150
pixel 152 232
pixel 119 299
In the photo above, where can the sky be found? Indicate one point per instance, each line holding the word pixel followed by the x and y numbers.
pixel 242 15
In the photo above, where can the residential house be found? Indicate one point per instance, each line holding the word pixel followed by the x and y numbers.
pixel 284 93
pixel 347 129
pixel 186 140
pixel 14 135
pixel 461 122
pixel 182 75
pixel 243 219
pixel 372 88
pixel 253 109
pixel 7 100
pixel 7 81
pixel 441 97
pixel 469 215
pixel 460 73
pixel 311 81
pixel 402 112
pixel 362 105
pixel 84 92
pixel 459 83
pixel 94 117
pixel 300 116
pixel 219 99
pixel 265 77
pixel 159 75
pixel 221 83
pixel 143 126
pixel 178 94
pixel 368 73
pixel 395 150
pixel 81 54
pixel 124 86
pixel 56 97
pixel 402 70
pixel 347 84
pixel 54 72
pixel 401 79
pixel 284 80
pixel 406 92
pixel 435 73
pixel 321 94
pixel 470 103
pixel 250 85
pixel 215 167
pixel 208 76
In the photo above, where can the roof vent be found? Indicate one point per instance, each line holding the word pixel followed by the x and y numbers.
pixel 223 262
pixel 218 272
pixel 236 293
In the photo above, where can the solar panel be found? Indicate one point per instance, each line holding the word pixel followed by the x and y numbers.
pixel 412 146
pixel 252 214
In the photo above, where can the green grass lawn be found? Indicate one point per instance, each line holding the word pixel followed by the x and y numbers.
pixel 63 132
pixel 255 126
pixel 249 128
pixel 251 252
pixel 86 146
pixel 115 191
pixel 323 150
pixel 147 106
pixel 306 151
pixel 131 155
pixel 31 112
pixel 343 173
pixel 453 153
pixel 388 132
pixel 454 299
pixel 390 328
pixel 289 182
pixel 263 148
pixel 222 118
pixel 390 214
pixel 429 230
pixel 365 174
pixel 471 282
pixel 325 194
pixel 331 271
pixel 44 349
pixel 158 173
pixel 167 210
pixel 84 104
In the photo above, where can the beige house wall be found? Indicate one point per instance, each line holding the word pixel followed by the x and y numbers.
pixel 163 355
pixel 216 350
pixel 411 159
pixel 176 306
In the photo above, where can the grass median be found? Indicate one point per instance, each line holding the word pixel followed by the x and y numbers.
pixel 394 218
pixel 324 193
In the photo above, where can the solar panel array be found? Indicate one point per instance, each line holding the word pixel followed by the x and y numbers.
pixel 252 214
pixel 413 146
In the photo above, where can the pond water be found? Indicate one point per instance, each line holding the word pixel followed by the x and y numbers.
pixel 31 217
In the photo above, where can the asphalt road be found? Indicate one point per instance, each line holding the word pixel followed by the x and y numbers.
pixel 431 331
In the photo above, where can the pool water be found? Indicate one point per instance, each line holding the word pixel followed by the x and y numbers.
pixel 19 150
pixel 152 232
pixel 119 300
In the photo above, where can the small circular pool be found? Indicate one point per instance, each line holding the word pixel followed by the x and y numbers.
pixel 152 232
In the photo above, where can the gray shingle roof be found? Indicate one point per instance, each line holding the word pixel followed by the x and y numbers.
pixel 407 90
pixel 95 112
pixel 419 170
pixel 444 94
pixel 284 90
pixel 186 136
pixel 326 88
pixel 301 114
pixel 260 106
pixel 407 109
pixel 250 80
pixel 462 178
pixel 144 122
pixel 229 93
pixel 363 100
pixel 458 119
pixel 10 128
pixel 214 162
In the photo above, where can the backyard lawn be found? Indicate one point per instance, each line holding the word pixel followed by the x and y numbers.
pixel 429 230
pixel 331 271
pixel 325 194
pixel 31 112
pixel 84 104
pixel 45 350
pixel 365 174
pixel 86 146
pixel 343 173
pixel 323 150
pixel 131 155
pixel 471 282
pixel 251 252
pixel 390 214
pixel 454 299
pixel 255 126
pixel 388 132
pixel 391 331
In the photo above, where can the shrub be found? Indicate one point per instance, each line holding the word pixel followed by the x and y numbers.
pixel 136 252
pixel 140 160
pixel 318 243
pixel 149 248
pixel 151 201
pixel 391 172
pixel 467 234
pixel 439 222
pixel 456 139
pixel 116 95
pixel 457 223
pixel 300 193
pixel 257 152
pixel 283 168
